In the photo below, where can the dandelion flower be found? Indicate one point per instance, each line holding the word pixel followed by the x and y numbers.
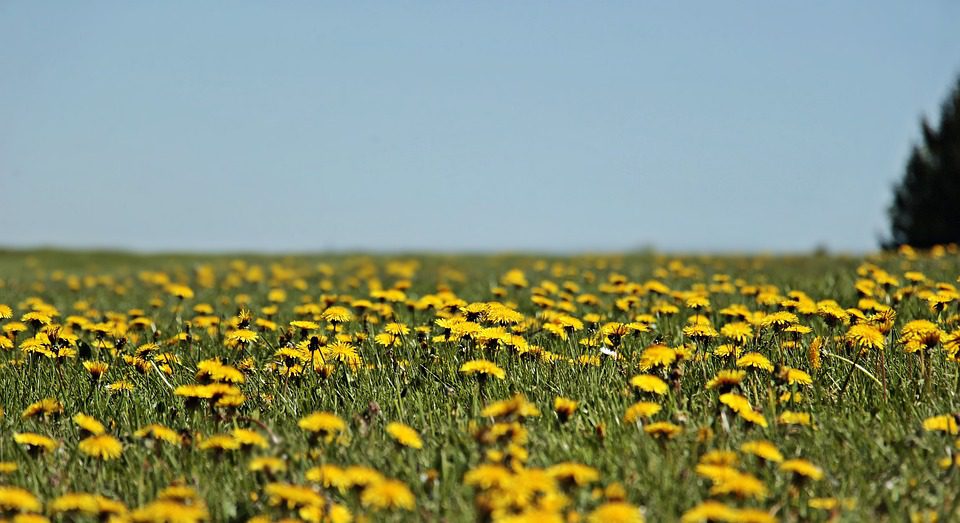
pixel 762 449
pixel 728 480
pixel 104 446
pixel 753 417
pixel 36 319
pixel 87 504
pixel 35 442
pixel 158 432
pixel 304 325
pixel 323 425
pixel 404 435
pixel 641 410
pixel 45 407
pixel 802 468
pixel 574 473
pixel 700 332
pixel 249 438
pixel 946 423
pixel 168 511
pixel 388 494
pixel 488 476
pixel 517 406
pixel 736 402
pixel 794 418
pixel 292 496
pixel 269 464
pixel 657 356
pixel 242 337
pixel 755 360
pixel 337 314
pixel 89 424
pixel 726 380
pixel 710 510
pixel 16 499
pixel 865 337
pixel 564 408
pixel 795 376
pixel 96 369
pixel 663 429
pixel 482 368
pixel 360 476
pixel 327 475
pixel 649 383
pixel 180 291
pixel 615 512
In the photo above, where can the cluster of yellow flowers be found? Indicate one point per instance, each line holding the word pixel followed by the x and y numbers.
pixel 552 392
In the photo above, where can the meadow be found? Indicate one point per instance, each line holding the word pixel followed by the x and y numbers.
pixel 503 388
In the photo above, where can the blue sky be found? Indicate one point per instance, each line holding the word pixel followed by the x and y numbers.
pixel 564 126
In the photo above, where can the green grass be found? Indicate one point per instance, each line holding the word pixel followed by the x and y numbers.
pixel 871 446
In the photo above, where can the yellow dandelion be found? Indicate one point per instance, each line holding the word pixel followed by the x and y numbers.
pixel 104 446
pixel 615 512
pixel 946 423
pixel 710 510
pixel 388 494
pixel 323 424
pixel 574 473
pixel 482 368
pixel 736 402
pixel 158 432
pixel 726 379
pixel 488 476
pixel 754 417
pixel 755 360
pixel 87 504
pixel 16 499
pixel 517 406
pixel 641 410
pixel 96 369
pixel 337 314
pixel 242 337
pixel 649 383
pixel 865 337
pixel 327 475
pixel 360 476
pixel 163 510
pixel 794 418
pixel 762 449
pixel 268 464
pixel 657 356
pixel 180 291
pixel 404 435
pixel 249 438
pixel 802 468
pixel 89 424
pixel 795 376
pixel 663 429
pixel 564 408
pixel 45 407
pixel 35 442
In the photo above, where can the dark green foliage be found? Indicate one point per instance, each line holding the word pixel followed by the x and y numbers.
pixel 926 205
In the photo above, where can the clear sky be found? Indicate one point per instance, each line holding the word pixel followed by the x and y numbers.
pixel 307 126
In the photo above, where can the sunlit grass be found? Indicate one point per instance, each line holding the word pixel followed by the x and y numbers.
pixel 600 388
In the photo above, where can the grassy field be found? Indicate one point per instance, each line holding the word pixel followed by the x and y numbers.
pixel 479 388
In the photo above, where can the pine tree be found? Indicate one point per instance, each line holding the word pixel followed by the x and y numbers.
pixel 926 204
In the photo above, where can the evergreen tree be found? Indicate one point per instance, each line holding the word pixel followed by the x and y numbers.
pixel 926 204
